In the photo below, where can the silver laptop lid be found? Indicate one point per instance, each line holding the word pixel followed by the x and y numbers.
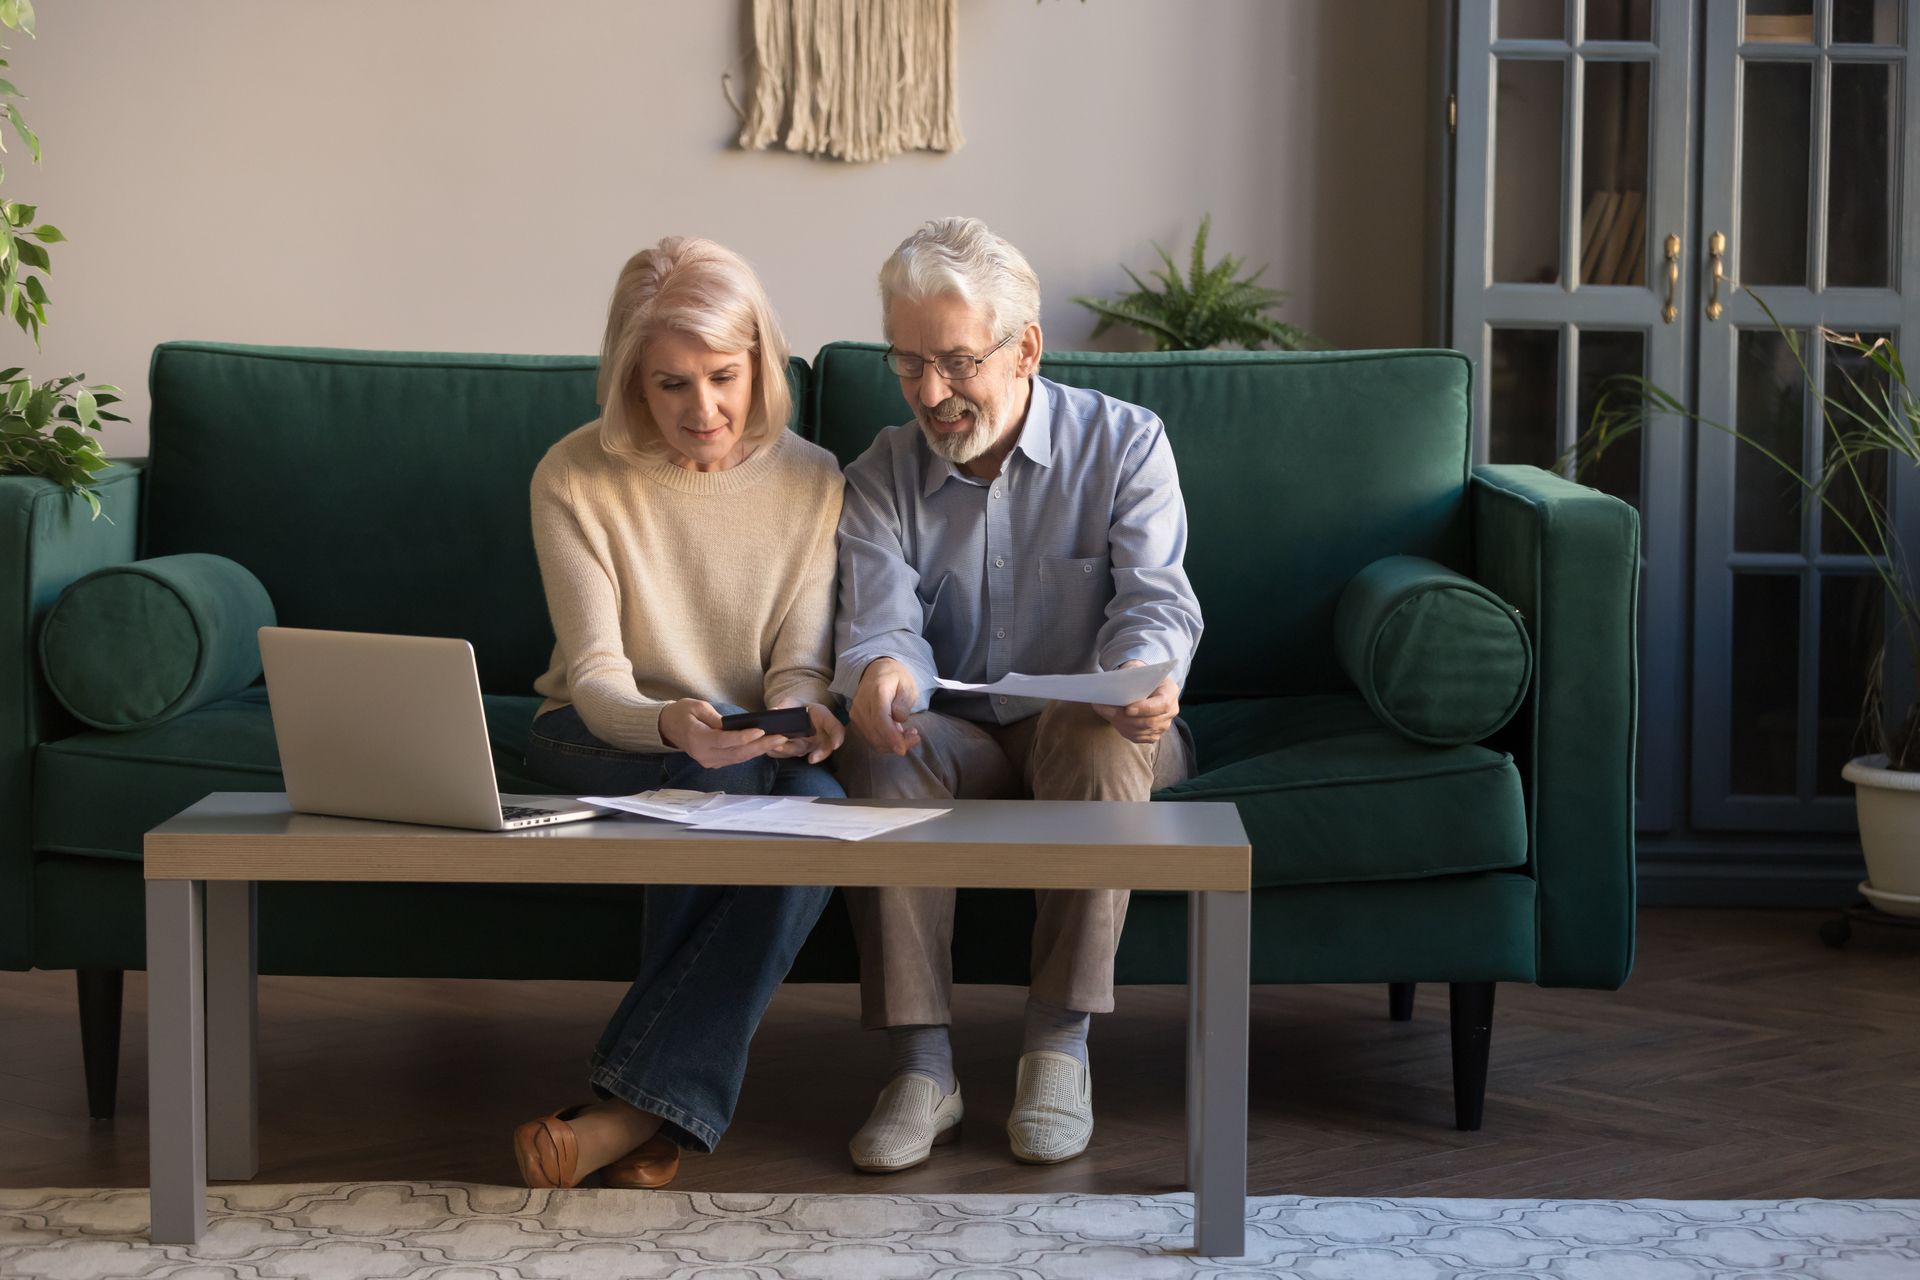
pixel 379 726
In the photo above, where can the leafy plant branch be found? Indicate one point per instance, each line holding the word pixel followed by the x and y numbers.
pixel 1210 306
pixel 45 425
pixel 1877 418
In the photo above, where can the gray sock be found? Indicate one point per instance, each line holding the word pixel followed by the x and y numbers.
pixel 925 1048
pixel 1051 1027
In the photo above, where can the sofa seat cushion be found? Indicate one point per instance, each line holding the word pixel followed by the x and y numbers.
pixel 99 793
pixel 1328 794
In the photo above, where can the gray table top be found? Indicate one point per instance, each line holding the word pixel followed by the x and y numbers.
pixel 978 844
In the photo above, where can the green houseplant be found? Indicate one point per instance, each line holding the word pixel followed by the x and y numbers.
pixel 1213 305
pixel 45 426
pixel 1870 421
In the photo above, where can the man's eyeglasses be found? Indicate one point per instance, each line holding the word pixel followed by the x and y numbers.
pixel 954 368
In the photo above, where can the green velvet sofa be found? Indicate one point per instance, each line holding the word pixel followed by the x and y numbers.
pixel 387 491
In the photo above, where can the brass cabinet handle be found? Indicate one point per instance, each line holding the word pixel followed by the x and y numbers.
pixel 1716 250
pixel 1671 311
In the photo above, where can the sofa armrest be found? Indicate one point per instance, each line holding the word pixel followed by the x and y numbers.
pixel 1568 558
pixel 47 539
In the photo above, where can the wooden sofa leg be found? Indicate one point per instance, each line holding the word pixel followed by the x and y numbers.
pixel 1400 1001
pixel 1471 1007
pixel 100 1036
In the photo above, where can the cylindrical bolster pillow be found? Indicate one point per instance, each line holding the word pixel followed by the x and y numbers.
pixel 1437 656
pixel 136 644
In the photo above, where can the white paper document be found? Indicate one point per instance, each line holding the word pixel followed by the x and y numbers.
pixel 1114 688
pixel 774 815
pixel 834 821
pixel 684 806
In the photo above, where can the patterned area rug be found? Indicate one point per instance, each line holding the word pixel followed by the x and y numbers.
pixel 456 1231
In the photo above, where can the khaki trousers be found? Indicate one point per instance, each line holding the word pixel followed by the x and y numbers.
pixel 1067 752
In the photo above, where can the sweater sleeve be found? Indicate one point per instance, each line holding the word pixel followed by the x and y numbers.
pixel 801 664
pixel 585 608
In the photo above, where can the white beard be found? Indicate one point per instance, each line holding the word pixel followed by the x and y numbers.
pixel 960 447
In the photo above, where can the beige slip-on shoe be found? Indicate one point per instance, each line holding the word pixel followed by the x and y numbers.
pixel 909 1120
pixel 1052 1116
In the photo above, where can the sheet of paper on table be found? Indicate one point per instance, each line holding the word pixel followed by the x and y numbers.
pixel 1113 688
pixel 789 816
pixel 677 805
pixel 773 815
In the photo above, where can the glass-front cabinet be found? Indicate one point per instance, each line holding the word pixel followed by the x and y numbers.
pixel 1635 184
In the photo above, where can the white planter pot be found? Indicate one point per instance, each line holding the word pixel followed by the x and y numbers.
pixel 1888 802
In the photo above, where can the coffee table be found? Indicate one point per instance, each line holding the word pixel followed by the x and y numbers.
pixel 203 865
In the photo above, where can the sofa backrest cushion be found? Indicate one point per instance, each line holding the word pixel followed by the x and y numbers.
pixel 1299 469
pixel 370 490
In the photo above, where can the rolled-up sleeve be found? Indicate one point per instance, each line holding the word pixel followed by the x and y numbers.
pixel 879 614
pixel 1154 615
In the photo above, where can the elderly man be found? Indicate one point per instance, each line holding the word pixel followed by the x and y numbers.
pixel 1014 525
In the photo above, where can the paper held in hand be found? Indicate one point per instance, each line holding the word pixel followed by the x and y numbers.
pixel 1113 688
pixel 775 815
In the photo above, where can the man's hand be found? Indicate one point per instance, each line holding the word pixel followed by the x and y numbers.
pixel 882 705
pixel 1148 719
pixel 828 733
pixel 693 726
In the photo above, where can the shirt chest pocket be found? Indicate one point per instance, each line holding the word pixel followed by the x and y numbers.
pixel 1074 591
pixel 1076 573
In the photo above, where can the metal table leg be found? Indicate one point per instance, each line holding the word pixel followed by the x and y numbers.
pixel 1193 1040
pixel 233 1142
pixel 176 1060
pixel 1217 1071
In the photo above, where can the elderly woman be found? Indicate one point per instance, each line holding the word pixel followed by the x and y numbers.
pixel 686 541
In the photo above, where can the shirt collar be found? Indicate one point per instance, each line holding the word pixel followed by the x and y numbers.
pixel 1035 440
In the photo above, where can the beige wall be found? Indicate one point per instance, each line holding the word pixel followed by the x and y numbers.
pixel 469 174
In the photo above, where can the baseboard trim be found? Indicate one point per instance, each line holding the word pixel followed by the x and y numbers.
pixel 1704 873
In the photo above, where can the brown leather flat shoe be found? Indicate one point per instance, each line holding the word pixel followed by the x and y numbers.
pixel 547 1151
pixel 651 1164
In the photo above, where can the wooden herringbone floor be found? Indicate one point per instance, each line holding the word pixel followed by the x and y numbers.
pixel 1744 1059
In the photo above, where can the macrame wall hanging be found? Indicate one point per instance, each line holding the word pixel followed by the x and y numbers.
pixel 853 80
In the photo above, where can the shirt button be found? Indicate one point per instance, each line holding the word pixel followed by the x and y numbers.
pixel 996 493
pixel 1086 568
pixel 1003 700
pixel 999 562
pixel 1001 633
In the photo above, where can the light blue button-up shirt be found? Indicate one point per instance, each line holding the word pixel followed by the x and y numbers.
pixel 1068 561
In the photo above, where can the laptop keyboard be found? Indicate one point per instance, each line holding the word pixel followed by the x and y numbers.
pixel 515 812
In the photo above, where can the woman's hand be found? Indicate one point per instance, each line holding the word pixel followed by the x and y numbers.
pixel 828 733
pixel 693 726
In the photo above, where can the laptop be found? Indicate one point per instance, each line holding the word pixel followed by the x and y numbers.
pixel 392 728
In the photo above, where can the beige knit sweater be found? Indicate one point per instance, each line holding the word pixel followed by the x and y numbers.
pixel 665 583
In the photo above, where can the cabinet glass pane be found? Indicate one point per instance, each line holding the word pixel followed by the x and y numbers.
pixel 1619 19
pixel 1524 396
pixel 1776 107
pixel 1766 680
pixel 1859 167
pixel 1770 408
pixel 1533 20
pixel 1854 383
pixel 1851 609
pixel 1866 21
pixel 1613 181
pixel 1526 177
pixel 1605 355
pixel 1779 22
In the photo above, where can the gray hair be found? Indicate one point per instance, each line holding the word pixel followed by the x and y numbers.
pixel 960 256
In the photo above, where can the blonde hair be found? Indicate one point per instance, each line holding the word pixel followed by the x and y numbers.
pixel 702 289
pixel 961 256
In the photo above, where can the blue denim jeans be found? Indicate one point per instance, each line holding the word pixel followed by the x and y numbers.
pixel 711 955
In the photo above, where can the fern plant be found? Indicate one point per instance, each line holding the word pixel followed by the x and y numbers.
pixel 1212 306
pixel 45 426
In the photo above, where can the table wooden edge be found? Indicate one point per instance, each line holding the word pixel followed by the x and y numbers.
pixel 403 853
